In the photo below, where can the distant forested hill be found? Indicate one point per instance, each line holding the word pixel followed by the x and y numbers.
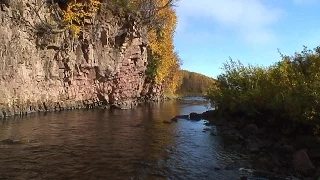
pixel 194 84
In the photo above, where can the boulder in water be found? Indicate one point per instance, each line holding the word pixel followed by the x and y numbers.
pixel 167 122
pixel 302 164
pixel 209 114
pixel 195 116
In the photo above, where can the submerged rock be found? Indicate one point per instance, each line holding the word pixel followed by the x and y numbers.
pixel 214 132
pixel 182 116
pixel 237 165
pixel 12 142
pixel 174 119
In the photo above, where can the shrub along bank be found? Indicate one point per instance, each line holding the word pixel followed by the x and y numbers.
pixel 286 92
pixel 275 109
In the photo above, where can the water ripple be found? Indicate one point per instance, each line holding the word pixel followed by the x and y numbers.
pixel 117 144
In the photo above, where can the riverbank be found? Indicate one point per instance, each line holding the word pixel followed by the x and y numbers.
pixel 289 152
pixel 277 105
pixel 39 107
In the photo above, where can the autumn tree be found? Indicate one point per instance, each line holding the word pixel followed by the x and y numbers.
pixel 164 62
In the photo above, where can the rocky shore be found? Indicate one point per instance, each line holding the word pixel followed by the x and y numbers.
pixel 287 154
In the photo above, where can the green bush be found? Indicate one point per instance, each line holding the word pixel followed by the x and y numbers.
pixel 288 89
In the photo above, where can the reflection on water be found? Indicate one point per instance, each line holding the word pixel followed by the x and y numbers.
pixel 115 144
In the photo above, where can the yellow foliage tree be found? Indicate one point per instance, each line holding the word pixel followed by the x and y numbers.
pixel 161 46
pixel 78 11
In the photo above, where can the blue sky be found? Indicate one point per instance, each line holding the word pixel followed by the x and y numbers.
pixel 211 31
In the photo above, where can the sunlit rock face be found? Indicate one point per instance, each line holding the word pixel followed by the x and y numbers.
pixel 42 69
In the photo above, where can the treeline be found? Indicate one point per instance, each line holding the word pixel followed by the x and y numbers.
pixel 194 84
pixel 157 17
pixel 286 92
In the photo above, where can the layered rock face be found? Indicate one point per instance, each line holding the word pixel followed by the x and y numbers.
pixel 103 65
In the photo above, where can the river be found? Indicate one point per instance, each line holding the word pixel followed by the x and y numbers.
pixel 115 144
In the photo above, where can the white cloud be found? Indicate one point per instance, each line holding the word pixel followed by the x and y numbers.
pixel 252 19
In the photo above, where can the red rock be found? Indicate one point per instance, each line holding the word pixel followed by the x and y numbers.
pixel 74 71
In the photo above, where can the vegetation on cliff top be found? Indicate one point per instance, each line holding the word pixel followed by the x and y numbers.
pixel 287 91
pixel 194 84
pixel 76 12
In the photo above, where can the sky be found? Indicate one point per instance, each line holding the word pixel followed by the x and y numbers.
pixel 252 31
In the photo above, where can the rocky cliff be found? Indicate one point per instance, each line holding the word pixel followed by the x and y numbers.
pixel 43 70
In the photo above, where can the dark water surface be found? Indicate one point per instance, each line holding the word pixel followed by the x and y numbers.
pixel 114 144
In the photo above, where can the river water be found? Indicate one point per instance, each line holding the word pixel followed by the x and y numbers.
pixel 115 144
